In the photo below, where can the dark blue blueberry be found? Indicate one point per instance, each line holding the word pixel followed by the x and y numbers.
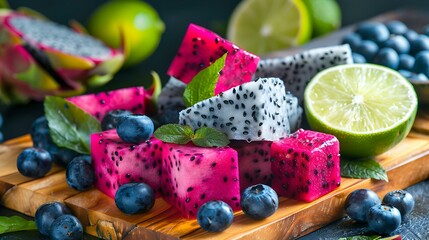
pixel 413 76
pixel 215 216
pixel 135 128
pixel 66 227
pixel 426 30
pixel 112 119
pixel 400 199
pixel 368 49
pixel 387 57
pixel 373 31
pixel 169 116
pixel 398 43
pixel 359 202
pixel 353 39
pixel 406 62
pixel 396 27
pixel 47 213
pixel 85 157
pixel 34 162
pixel 421 43
pixel 42 139
pixel 259 201
pixel 383 219
pixel 80 174
pixel 134 198
pixel 358 58
pixel 410 35
pixel 421 65
pixel 405 73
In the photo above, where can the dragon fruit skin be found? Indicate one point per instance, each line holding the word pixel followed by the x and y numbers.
pixel 116 162
pixel 192 176
pixel 253 162
pixel 201 47
pixel 253 111
pixel 98 104
pixel 297 70
pixel 45 70
pixel 305 165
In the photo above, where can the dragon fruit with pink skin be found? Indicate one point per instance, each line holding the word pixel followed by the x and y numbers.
pixel 98 104
pixel 200 48
pixel 253 162
pixel 192 176
pixel 117 162
pixel 51 59
pixel 305 165
pixel 297 70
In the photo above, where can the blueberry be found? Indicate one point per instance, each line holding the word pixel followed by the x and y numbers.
pixel 34 162
pixel 383 219
pixel 215 216
pixel 358 58
pixel 353 39
pixel 112 119
pixel 406 73
pixel 413 76
pixel 396 27
pixel 410 35
pixel 387 57
pixel 42 139
pixel 80 174
pixel 135 128
pixel 426 30
pixel 134 198
pixel 66 227
pixel 359 202
pixel 398 43
pixel 406 62
pixel 421 43
pixel 368 49
pixel 47 213
pixel 259 201
pixel 421 64
pixel 400 199
pixel 373 31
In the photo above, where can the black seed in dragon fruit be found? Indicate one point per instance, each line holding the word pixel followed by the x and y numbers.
pixel 171 97
pixel 116 162
pixel 192 176
pixel 253 111
pixel 200 48
pixel 296 71
pixel 253 162
pixel 98 104
pixel 305 165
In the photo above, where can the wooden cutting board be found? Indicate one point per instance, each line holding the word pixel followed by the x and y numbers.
pixel 406 165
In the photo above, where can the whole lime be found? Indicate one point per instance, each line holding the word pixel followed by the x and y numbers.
pixel 325 16
pixel 139 23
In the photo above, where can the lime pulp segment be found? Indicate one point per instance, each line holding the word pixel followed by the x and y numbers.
pixel 360 98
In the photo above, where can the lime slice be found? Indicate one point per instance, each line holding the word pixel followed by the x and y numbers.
pixel 369 108
pixel 262 26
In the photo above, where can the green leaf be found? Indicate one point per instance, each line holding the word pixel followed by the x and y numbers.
pixel 361 238
pixel 210 137
pixel 362 168
pixel 70 126
pixel 203 84
pixel 174 133
pixel 15 223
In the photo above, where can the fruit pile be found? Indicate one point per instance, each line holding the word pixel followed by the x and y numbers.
pixel 227 135
pixel 393 45
pixel 383 217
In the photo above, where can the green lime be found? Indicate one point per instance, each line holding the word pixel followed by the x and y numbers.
pixel 325 16
pixel 139 22
pixel 369 108
pixel 262 26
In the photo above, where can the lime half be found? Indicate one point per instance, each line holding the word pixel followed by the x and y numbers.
pixel 369 108
pixel 262 26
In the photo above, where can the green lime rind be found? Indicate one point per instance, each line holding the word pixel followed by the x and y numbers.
pixel 363 144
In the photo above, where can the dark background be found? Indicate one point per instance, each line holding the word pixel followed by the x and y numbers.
pixel 176 16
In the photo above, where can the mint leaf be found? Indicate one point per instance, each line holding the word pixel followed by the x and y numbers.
pixel 70 126
pixel 15 223
pixel 362 168
pixel 203 84
pixel 174 133
pixel 362 238
pixel 210 137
